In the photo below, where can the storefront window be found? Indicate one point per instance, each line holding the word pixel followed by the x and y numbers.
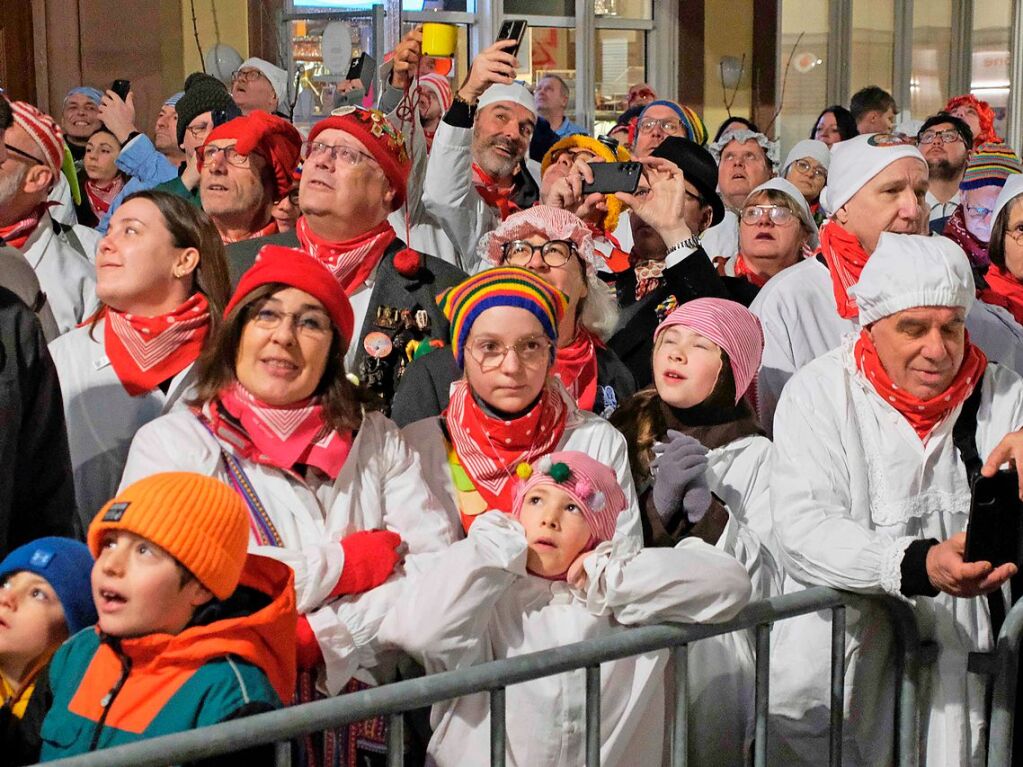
pixel 540 7
pixel 873 44
pixel 932 51
pixel 990 66
pixel 619 63
pixel 804 51
pixel 624 9
pixel 551 51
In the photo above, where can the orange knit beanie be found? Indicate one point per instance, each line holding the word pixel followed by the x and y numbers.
pixel 198 520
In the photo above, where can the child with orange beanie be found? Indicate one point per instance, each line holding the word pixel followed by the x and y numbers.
pixel 548 575
pixel 192 631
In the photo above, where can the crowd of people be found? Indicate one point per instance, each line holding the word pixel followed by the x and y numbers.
pixel 287 415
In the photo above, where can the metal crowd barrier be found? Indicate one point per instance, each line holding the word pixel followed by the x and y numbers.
pixel 394 699
pixel 1003 664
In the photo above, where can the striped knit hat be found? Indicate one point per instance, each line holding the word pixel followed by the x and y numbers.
pixel 592 485
pixel 440 87
pixel 731 326
pixel 601 150
pixel 198 520
pixel 691 122
pixel 990 165
pixel 43 130
pixel 503 286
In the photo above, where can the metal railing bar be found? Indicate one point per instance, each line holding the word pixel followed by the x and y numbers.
pixel 763 638
pixel 396 740
pixel 907 668
pixel 837 684
pixel 1003 700
pixel 497 727
pixel 425 691
pixel 680 734
pixel 593 716
pixel 282 756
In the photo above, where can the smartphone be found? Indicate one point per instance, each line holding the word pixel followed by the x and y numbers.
pixel 363 68
pixel 122 88
pixel 993 533
pixel 610 177
pixel 512 30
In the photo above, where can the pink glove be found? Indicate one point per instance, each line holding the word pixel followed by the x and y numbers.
pixel 307 650
pixel 370 557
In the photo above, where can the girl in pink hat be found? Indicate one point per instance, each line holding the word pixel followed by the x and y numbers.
pixel 548 575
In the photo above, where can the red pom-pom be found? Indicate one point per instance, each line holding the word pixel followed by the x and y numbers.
pixel 407 262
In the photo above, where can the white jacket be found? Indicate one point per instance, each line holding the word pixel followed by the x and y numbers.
pixel 102 417
pixel 722 239
pixel 851 487
pixel 801 322
pixel 381 486
pixel 66 276
pixel 476 603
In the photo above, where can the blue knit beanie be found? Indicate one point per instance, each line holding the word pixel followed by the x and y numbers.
pixel 66 565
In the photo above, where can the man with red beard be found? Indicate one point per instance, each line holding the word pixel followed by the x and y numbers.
pixel 876 183
pixel 354 176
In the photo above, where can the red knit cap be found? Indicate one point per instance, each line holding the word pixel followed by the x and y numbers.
pixel 42 129
pixel 297 269
pixel 272 137
pixel 375 131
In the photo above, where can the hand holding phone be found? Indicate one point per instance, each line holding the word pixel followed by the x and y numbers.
pixel 611 177
pixel 122 88
pixel 496 65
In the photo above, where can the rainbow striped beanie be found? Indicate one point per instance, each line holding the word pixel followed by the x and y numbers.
pixel 990 165
pixel 501 286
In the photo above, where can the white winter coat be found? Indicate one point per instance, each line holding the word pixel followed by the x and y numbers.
pixel 476 603
pixel 66 276
pixel 851 487
pixel 801 322
pixel 102 417
pixel 381 486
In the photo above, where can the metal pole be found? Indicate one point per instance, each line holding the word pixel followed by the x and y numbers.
pixel 497 732
pixel 902 66
pixel 1003 700
pixel 593 716
pixel 837 684
pixel 763 685
pixel 680 735
pixel 396 740
pixel 1014 124
pixel 282 754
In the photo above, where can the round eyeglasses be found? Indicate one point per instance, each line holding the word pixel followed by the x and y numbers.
pixel 554 253
pixel 777 214
pixel 490 354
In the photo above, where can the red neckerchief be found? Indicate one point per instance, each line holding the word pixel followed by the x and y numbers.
pixel 1004 290
pixel 490 449
pixel 955 230
pixel 493 195
pixel 351 261
pixel 17 234
pixel 742 269
pixel 280 436
pixel 923 415
pixel 266 231
pixel 429 134
pixel 845 258
pixel 146 351
pixel 101 195
pixel 576 366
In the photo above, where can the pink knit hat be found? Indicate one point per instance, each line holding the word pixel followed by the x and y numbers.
pixel 732 327
pixel 592 485
pixel 43 130
pixel 440 87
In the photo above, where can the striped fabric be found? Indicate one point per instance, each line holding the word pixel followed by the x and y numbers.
pixel 42 129
pixel 502 286
pixel 440 87
pixel 732 327
pixel 990 165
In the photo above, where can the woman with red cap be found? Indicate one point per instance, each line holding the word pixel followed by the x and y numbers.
pixel 162 283
pixel 977 114
pixel 331 492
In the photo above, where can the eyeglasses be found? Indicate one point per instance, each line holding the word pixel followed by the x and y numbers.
pixel 554 253
pixel 246 75
pixel 949 136
pixel 198 131
pixel 309 324
pixel 350 155
pixel 809 169
pixel 21 155
pixel 778 214
pixel 1016 233
pixel 489 354
pixel 231 155
pixel 978 211
pixel 670 125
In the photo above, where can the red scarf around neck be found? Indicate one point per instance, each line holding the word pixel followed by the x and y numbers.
pixel 1004 290
pixel 146 351
pixel 742 269
pixel 955 229
pixel 101 195
pixel 266 231
pixel 282 436
pixel 490 449
pixel 17 233
pixel 494 195
pixel 576 366
pixel 923 415
pixel 845 258
pixel 351 261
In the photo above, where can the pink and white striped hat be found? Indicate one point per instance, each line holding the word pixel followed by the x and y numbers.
pixel 731 326
pixel 552 223
pixel 592 485
pixel 43 130
pixel 440 87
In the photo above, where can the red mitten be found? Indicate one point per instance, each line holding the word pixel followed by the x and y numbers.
pixel 307 650
pixel 370 557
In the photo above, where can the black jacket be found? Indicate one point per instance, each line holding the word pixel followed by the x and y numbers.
pixel 693 277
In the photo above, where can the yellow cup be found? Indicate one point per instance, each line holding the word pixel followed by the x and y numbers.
pixel 439 39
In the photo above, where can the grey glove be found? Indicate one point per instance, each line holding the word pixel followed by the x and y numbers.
pixel 680 481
